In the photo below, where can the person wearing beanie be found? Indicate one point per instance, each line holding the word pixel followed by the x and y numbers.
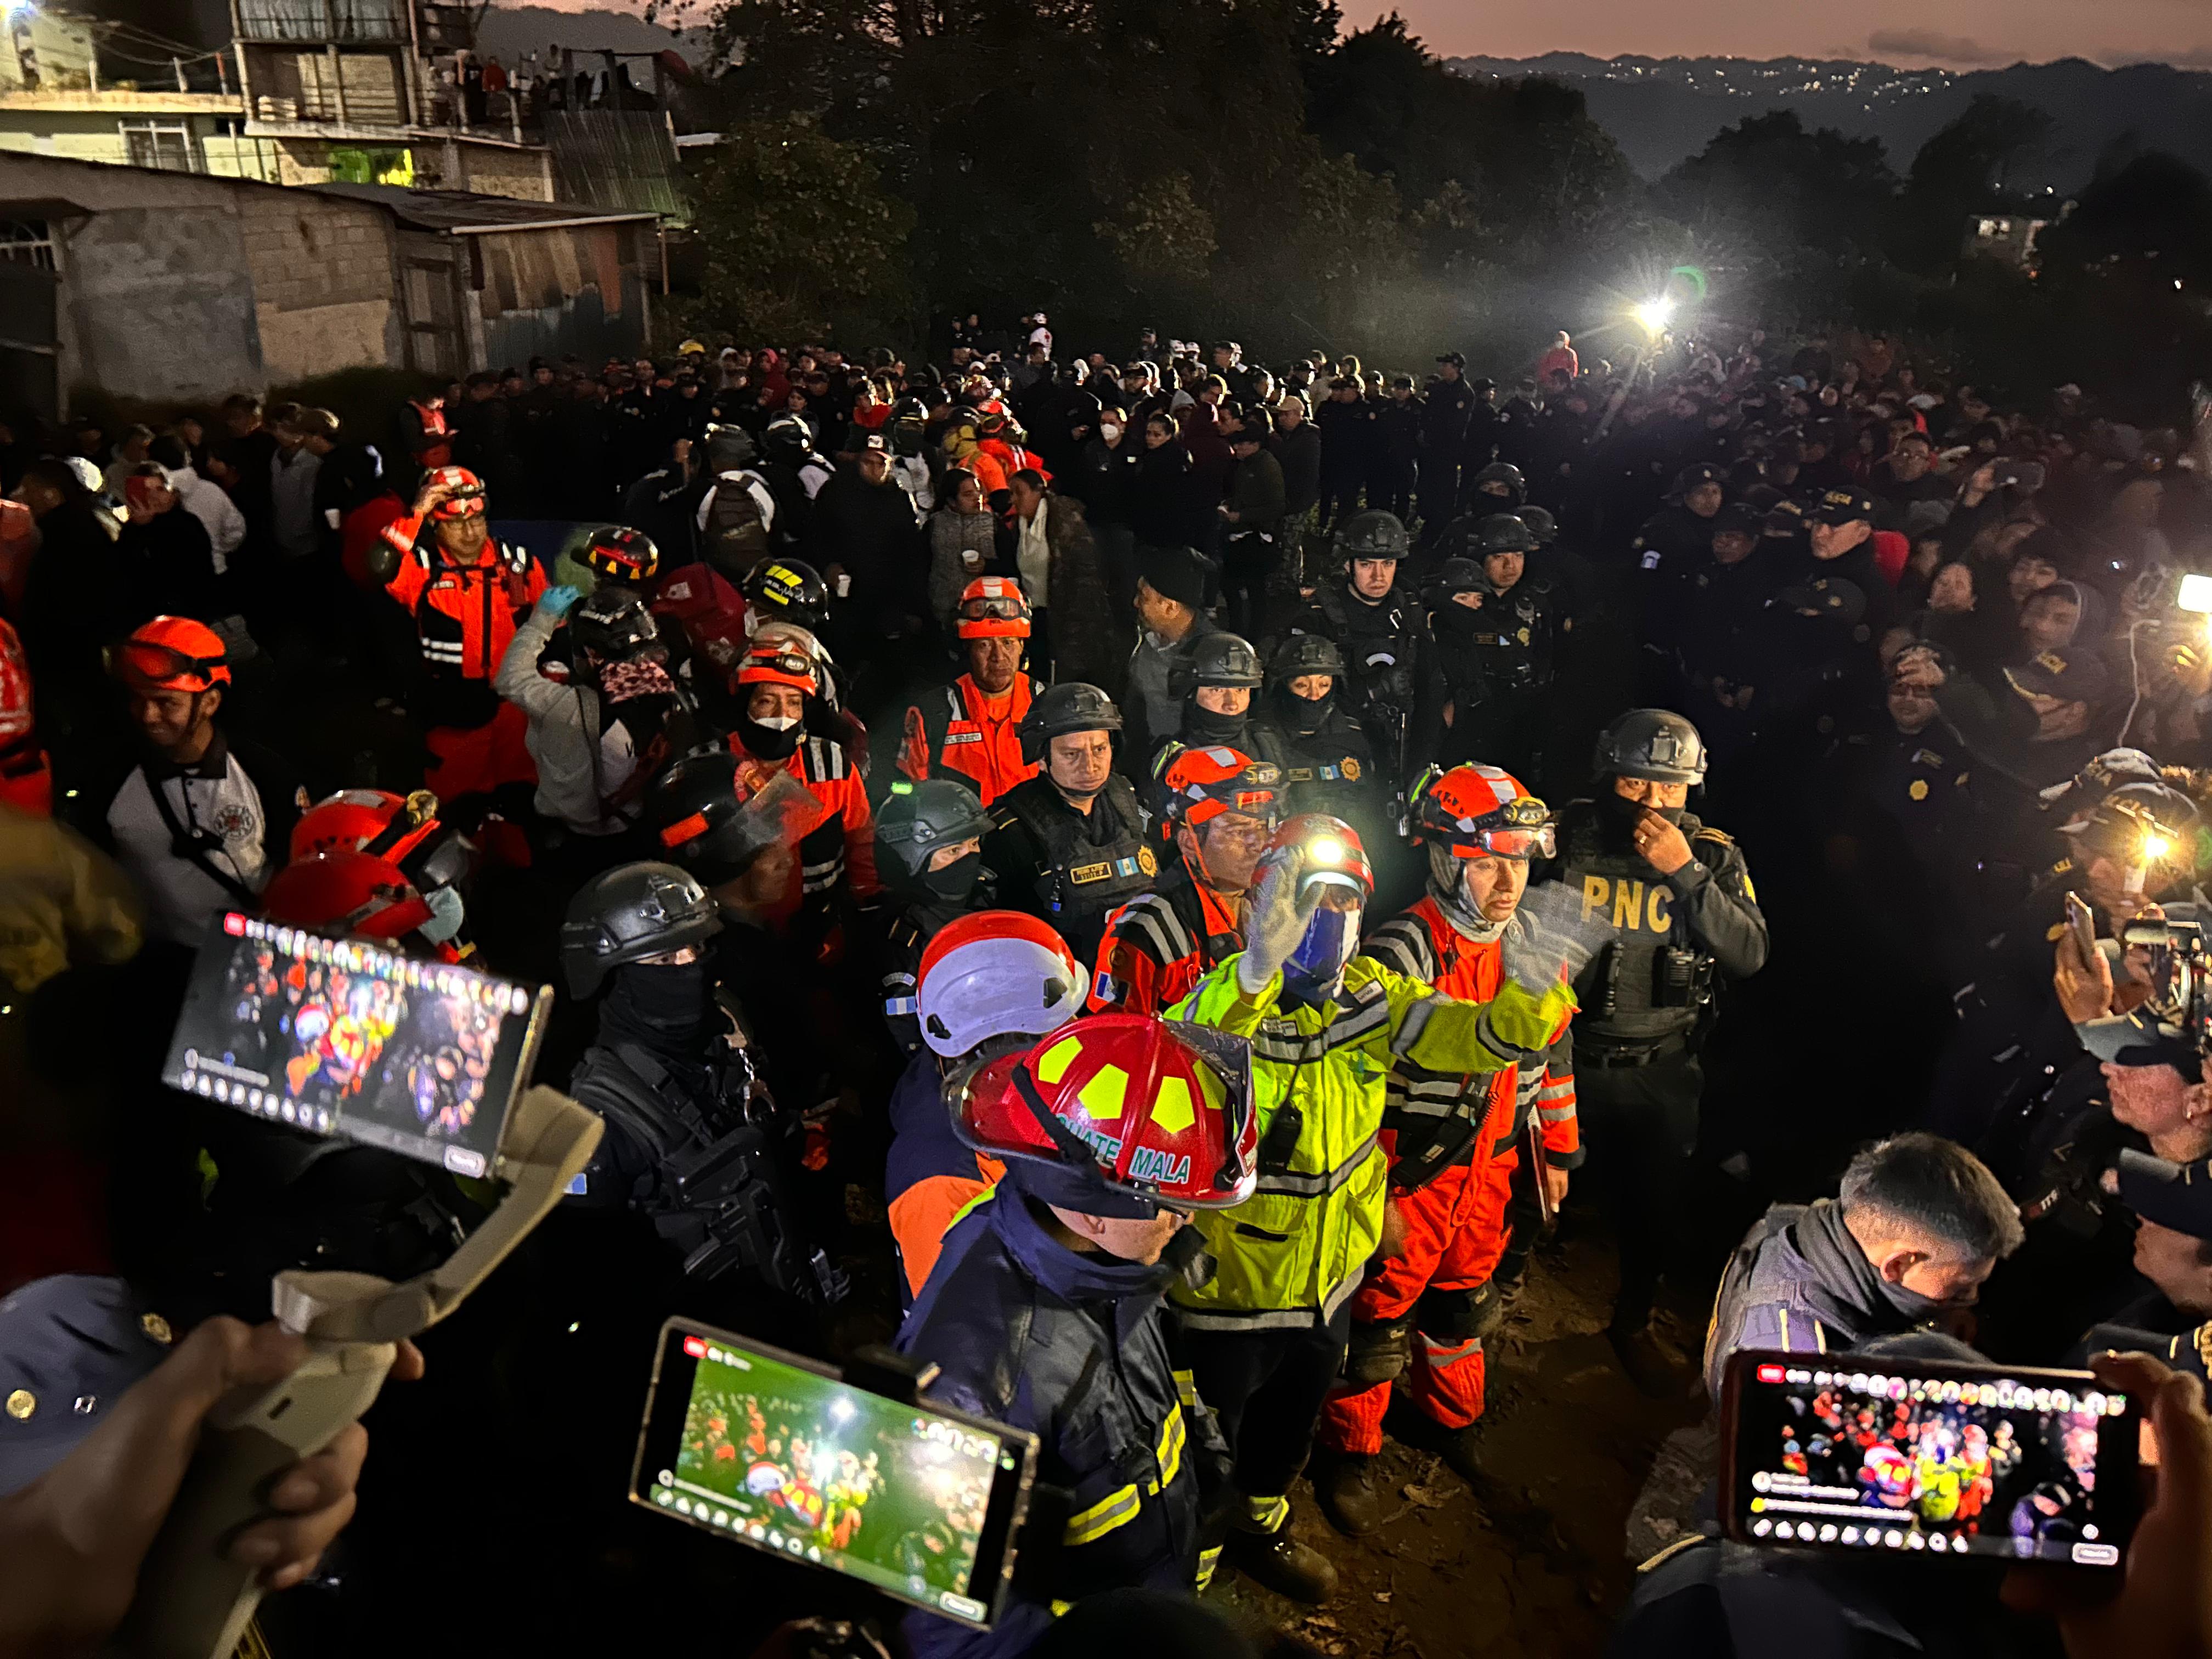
pixel 1172 585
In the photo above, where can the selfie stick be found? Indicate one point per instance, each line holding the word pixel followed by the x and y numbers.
pixel 193 1602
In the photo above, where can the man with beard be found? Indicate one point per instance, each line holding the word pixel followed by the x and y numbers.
pixel 1681 906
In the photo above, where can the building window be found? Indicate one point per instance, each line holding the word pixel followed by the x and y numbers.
pixel 27 242
pixel 165 144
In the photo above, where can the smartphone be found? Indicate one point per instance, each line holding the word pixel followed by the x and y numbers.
pixel 2083 921
pixel 1927 1458
pixel 2027 476
pixel 350 1038
pixel 778 1453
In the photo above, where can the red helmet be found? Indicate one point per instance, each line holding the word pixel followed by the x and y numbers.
pixel 1333 853
pixel 993 608
pixel 993 974
pixel 344 892
pixel 1201 784
pixel 1481 810
pixel 1154 1110
pixel 772 662
pixel 466 499
pixel 172 653
pixel 404 830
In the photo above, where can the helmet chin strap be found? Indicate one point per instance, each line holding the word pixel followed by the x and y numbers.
pixel 1448 885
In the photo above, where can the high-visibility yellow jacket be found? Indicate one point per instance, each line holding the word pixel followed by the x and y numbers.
pixel 1289 1255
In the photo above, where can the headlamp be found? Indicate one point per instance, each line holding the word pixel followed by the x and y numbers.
pixel 2155 845
pixel 1654 314
pixel 1325 849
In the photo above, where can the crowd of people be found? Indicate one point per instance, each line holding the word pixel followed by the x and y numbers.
pixel 1147 880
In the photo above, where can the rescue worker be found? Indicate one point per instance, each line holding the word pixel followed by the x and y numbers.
pixel 1265 1335
pixel 836 860
pixel 1220 807
pixel 1497 633
pixel 972 726
pixel 1069 845
pixel 1392 685
pixel 1044 1311
pixel 1680 908
pixel 370 862
pixel 929 855
pixel 1304 727
pixel 996 980
pixel 669 1072
pixel 466 595
pixel 1459 1147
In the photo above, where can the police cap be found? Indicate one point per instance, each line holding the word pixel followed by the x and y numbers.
pixel 1704 472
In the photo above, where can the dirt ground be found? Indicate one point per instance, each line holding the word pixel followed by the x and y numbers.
pixel 1532 1561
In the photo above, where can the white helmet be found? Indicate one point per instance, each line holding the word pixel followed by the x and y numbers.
pixel 995 972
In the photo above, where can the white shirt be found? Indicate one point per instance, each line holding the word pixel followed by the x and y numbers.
pixel 211 503
pixel 181 898
pixel 1033 559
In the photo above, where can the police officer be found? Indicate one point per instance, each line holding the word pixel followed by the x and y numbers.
pixel 972 727
pixel 1680 906
pixel 1220 807
pixel 1304 727
pixel 1393 683
pixel 929 856
pixel 1496 632
pixel 686 1142
pixel 1043 1311
pixel 1446 415
pixel 1498 487
pixel 1683 528
pixel 1218 682
pixel 1069 845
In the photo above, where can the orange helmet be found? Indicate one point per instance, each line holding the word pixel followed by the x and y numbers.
pixel 1478 811
pixel 1201 784
pixel 993 608
pixel 344 892
pixel 772 662
pixel 466 499
pixel 172 653
pixel 1127 1114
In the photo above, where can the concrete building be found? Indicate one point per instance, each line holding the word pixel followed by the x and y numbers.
pixel 153 285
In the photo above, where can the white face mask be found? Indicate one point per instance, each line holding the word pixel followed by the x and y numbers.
pixel 446 913
pixel 1110 433
pixel 777 722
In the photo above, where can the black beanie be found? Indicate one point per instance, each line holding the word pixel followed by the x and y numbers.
pixel 1177 573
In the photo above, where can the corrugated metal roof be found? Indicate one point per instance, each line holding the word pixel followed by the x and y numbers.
pixel 459 213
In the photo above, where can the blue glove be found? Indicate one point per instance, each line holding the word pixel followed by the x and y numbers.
pixel 556 603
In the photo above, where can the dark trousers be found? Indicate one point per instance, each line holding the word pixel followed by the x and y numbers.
pixel 1265 1388
pixel 1640 1123
pixel 1339 498
pixel 1440 483
pixel 1248 559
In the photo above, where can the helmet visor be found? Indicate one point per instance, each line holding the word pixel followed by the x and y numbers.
pixel 1513 843
pixel 466 501
pixel 994 607
pixel 145 664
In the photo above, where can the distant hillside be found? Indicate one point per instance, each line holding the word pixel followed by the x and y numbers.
pixel 1659 110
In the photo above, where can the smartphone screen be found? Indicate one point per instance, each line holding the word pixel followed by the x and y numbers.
pixel 348 1037
pixel 1937 1460
pixel 766 1450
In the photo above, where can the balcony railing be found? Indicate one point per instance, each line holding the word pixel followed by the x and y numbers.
pixel 344 21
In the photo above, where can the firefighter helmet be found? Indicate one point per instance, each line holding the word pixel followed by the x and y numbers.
pixel 1480 811
pixel 995 973
pixel 790 589
pixel 346 892
pixel 1332 849
pixel 1201 784
pixel 464 492
pixel 772 662
pixel 616 553
pixel 993 608
pixel 172 653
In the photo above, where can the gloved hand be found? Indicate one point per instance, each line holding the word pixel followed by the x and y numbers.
pixel 556 603
pixel 1550 940
pixel 1277 920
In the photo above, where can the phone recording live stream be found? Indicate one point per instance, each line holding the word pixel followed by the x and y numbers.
pixel 340 1037
pixel 788 1461
pixel 1937 1465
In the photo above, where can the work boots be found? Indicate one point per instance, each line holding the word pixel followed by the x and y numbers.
pixel 1657 1374
pixel 1276 1561
pixel 1350 1492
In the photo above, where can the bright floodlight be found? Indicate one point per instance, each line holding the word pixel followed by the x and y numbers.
pixel 2195 593
pixel 1654 315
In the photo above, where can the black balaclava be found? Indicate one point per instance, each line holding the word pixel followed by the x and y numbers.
pixel 666 1008
pixel 1202 726
pixel 958 882
pixel 1303 715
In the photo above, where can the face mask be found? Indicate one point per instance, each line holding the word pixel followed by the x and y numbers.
pixel 446 910
pixel 956 880
pixel 1627 811
pixel 1203 726
pixel 1304 715
pixel 1316 966
pixel 668 1002
pixel 1110 433
pixel 776 737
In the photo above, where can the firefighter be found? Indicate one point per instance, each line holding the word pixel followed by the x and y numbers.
pixel 972 727
pixel 1044 1308
pixel 1220 806
pixel 1458 1145
pixel 1678 904
pixel 1267 1334
pixel 994 980
pixel 467 594
pixel 929 853
pixel 1069 845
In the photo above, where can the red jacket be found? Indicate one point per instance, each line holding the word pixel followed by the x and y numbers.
pixel 956 729
pixel 838 848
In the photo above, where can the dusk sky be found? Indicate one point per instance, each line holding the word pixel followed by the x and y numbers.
pixel 1953 33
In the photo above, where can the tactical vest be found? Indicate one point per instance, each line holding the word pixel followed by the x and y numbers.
pixel 1645 987
pixel 1332 771
pixel 1083 879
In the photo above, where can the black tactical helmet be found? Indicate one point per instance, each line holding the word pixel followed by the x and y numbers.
pixel 615 625
pixel 632 912
pixel 1503 473
pixel 730 449
pixel 1457 575
pixel 1650 743
pixel 1305 653
pixel 1373 534
pixel 1222 659
pixel 789 589
pixel 916 820
pixel 1541 524
pixel 1505 532
pixel 1070 706
pixel 617 553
